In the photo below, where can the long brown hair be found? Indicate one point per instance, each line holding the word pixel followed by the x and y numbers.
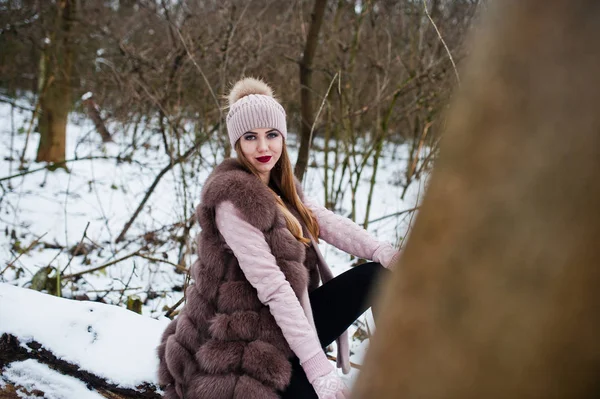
pixel 283 179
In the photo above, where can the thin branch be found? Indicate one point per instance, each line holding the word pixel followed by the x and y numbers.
pixel 312 128
pixel 53 259
pixel 71 276
pixel 411 218
pixel 77 248
pixel 170 311
pixel 212 93
pixel 51 166
pixel 228 39
pixel 115 289
pixel 127 285
pixel 13 103
pixel 34 117
pixel 443 41
pixel 33 243
pixel 167 168
pixel 176 266
pixel 391 215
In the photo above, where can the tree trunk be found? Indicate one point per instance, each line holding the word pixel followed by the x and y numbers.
pixel 306 109
pixel 55 101
pixel 497 296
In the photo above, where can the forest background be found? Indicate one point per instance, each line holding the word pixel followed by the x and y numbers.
pixel 112 115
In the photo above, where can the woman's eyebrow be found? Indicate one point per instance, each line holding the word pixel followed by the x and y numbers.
pixel 267 132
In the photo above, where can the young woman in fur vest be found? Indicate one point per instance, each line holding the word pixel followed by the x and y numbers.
pixel 256 320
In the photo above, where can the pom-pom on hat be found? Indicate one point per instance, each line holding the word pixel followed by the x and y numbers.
pixel 252 106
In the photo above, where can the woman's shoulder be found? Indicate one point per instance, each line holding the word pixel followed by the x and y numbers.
pixel 227 181
pixel 230 182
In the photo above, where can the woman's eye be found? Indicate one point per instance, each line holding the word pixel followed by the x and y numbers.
pixel 272 135
pixel 249 137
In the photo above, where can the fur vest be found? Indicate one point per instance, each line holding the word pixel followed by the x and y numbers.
pixel 225 343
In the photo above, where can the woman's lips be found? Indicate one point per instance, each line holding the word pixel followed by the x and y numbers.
pixel 264 159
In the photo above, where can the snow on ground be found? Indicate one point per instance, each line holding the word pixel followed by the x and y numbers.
pixel 51 210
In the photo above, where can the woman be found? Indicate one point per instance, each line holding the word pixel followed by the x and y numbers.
pixel 256 321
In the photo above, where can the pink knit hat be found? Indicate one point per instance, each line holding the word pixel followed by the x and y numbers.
pixel 252 106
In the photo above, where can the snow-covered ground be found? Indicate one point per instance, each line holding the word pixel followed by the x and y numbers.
pixel 45 214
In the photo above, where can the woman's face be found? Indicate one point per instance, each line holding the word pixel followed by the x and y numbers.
pixel 262 148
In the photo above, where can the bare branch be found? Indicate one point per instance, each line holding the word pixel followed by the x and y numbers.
pixel 104 266
pixel 442 40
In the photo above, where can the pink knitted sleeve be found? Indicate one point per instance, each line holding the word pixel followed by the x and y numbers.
pixel 260 268
pixel 346 235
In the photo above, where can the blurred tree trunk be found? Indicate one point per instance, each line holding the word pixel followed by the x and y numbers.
pixel 497 296
pixel 127 7
pixel 55 100
pixel 306 108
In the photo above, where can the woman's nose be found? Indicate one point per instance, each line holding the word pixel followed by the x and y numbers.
pixel 262 144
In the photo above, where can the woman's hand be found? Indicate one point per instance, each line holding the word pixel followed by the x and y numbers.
pixel 331 386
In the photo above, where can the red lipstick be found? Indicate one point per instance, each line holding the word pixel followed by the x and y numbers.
pixel 264 159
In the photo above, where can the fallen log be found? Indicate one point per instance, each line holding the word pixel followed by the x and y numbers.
pixel 11 350
pixel 75 349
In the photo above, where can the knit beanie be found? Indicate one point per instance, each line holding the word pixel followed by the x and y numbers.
pixel 252 106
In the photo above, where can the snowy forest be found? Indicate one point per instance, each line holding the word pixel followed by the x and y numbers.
pixel 112 116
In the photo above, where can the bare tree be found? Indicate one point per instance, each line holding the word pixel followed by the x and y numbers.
pixel 55 96
pixel 312 41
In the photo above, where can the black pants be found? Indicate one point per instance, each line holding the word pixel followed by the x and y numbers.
pixel 336 305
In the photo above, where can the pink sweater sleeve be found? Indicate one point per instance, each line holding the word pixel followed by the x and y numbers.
pixel 346 235
pixel 260 268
